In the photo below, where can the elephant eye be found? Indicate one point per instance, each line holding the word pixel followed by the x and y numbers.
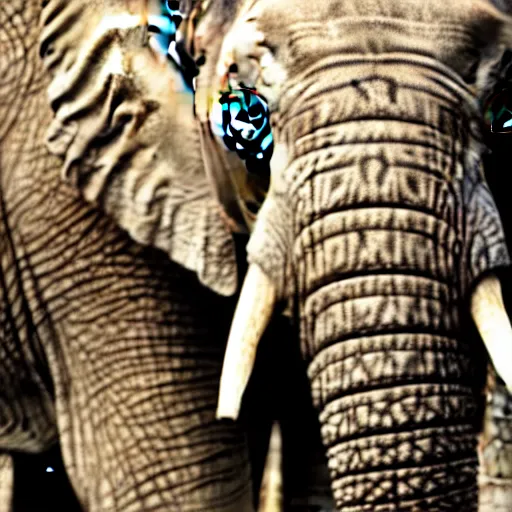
pixel 241 118
pixel 498 112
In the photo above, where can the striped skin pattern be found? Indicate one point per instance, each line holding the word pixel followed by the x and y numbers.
pixel 381 300
pixel 496 453
pixel 380 224
pixel 110 346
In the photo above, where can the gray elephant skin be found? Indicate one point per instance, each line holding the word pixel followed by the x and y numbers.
pixel 377 227
pixel 110 348
pixel 106 345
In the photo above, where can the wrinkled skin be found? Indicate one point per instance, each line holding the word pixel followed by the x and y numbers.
pixel 377 241
pixel 379 224
pixel 108 346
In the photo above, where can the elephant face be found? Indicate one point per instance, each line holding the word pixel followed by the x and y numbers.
pixel 381 227
pixel 318 75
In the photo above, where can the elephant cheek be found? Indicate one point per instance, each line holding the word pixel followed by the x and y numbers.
pixel 271 241
pixel 269 244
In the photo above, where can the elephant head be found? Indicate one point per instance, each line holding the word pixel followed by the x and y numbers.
pixel 380 227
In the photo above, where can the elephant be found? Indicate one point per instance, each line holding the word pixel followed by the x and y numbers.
pixel 117 290
pixel 109 346
pixel 378 250
pixel 379 232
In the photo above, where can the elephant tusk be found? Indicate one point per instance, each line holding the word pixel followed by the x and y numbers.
pixel 271 493
pixel 493 324
pixel 252 316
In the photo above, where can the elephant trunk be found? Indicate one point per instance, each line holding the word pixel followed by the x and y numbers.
pixel 394 384
pixel 389 373
pixel 387 226
pixel 383 260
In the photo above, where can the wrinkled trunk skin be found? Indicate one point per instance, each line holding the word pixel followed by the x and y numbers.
pixel 495 450
pixel 107 344
pixel 387 243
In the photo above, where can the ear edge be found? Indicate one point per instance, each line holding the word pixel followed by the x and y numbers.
pixel 116 152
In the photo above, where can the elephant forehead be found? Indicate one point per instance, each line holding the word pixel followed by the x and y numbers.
pixel 428 11
pixel 451 32
pixel 403 87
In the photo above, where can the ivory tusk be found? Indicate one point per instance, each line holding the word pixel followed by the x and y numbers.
pixel 252 316
pixel 271 493
pixel 491 319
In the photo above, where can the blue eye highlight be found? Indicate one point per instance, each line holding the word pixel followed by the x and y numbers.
pixel 242 119
pixel 163 27
pixel 165 24
pixel 498 112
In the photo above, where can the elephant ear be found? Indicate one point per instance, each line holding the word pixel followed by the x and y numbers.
pixel 124 125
